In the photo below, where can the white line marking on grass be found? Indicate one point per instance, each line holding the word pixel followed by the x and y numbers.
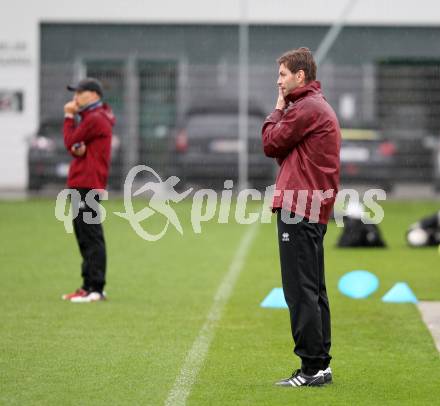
pixel 194 360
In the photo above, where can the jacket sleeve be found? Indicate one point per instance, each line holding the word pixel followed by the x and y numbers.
pixel 282 131
pixel 86 131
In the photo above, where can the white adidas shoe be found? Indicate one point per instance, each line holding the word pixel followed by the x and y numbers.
pixel 328 378
pixel 299 379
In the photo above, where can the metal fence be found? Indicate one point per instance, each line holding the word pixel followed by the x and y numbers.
pixel 182 119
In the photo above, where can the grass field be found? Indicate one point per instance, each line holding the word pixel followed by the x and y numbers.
pixel 130 349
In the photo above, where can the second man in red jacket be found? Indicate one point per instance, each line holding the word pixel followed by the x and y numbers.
pixel 89 143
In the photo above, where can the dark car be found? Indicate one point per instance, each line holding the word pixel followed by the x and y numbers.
pixel 206 145
pixel 367 158
pixel 48 160
pixel 415 160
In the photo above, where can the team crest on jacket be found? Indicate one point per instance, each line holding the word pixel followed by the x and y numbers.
pixel 285 237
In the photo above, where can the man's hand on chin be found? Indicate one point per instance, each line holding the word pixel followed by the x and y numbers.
pixel 70 108
pixel 281 102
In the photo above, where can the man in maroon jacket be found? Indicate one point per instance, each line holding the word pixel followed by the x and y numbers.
pixel 303 135
pixel 89 143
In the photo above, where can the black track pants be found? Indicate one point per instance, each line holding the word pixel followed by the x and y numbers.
pixel 302 271
pixel 91 244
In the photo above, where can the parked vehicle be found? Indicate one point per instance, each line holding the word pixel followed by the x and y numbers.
pixel 436 158
pixel 415 159
pixel 206 145
pixel 367 157
pixel 48 160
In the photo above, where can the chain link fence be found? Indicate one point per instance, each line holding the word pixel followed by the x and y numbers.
pixel 182 119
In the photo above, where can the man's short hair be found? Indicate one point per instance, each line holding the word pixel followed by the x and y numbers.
pixel 300 59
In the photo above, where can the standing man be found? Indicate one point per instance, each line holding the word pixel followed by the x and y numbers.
pixel 89 143
pixel 303 135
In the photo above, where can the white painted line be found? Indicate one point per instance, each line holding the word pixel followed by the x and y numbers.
pixel 431 316
pixel 196 356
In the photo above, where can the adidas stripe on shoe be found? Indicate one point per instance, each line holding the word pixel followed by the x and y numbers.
pixel 299 379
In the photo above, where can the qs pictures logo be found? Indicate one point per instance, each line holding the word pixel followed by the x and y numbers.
pixel 207 204
pixel 159 203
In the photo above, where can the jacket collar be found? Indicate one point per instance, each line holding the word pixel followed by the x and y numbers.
pixel 90 107
pixel 313 87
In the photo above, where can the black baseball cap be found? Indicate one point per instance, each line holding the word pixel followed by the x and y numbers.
pixel 94 85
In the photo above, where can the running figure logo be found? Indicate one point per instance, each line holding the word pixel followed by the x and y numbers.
pixel 162 193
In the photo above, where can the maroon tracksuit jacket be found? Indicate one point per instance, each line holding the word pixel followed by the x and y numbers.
pixel 90 171
pixel 305 139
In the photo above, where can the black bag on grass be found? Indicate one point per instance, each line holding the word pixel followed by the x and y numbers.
pixel 358 234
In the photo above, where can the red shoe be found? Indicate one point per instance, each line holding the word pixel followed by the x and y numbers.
pixel 89 298
pixel 78 293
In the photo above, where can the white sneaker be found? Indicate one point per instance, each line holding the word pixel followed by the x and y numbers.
pixel 328 378
pixel 91 297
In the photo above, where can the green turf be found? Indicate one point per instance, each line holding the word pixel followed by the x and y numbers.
pixel 130 349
